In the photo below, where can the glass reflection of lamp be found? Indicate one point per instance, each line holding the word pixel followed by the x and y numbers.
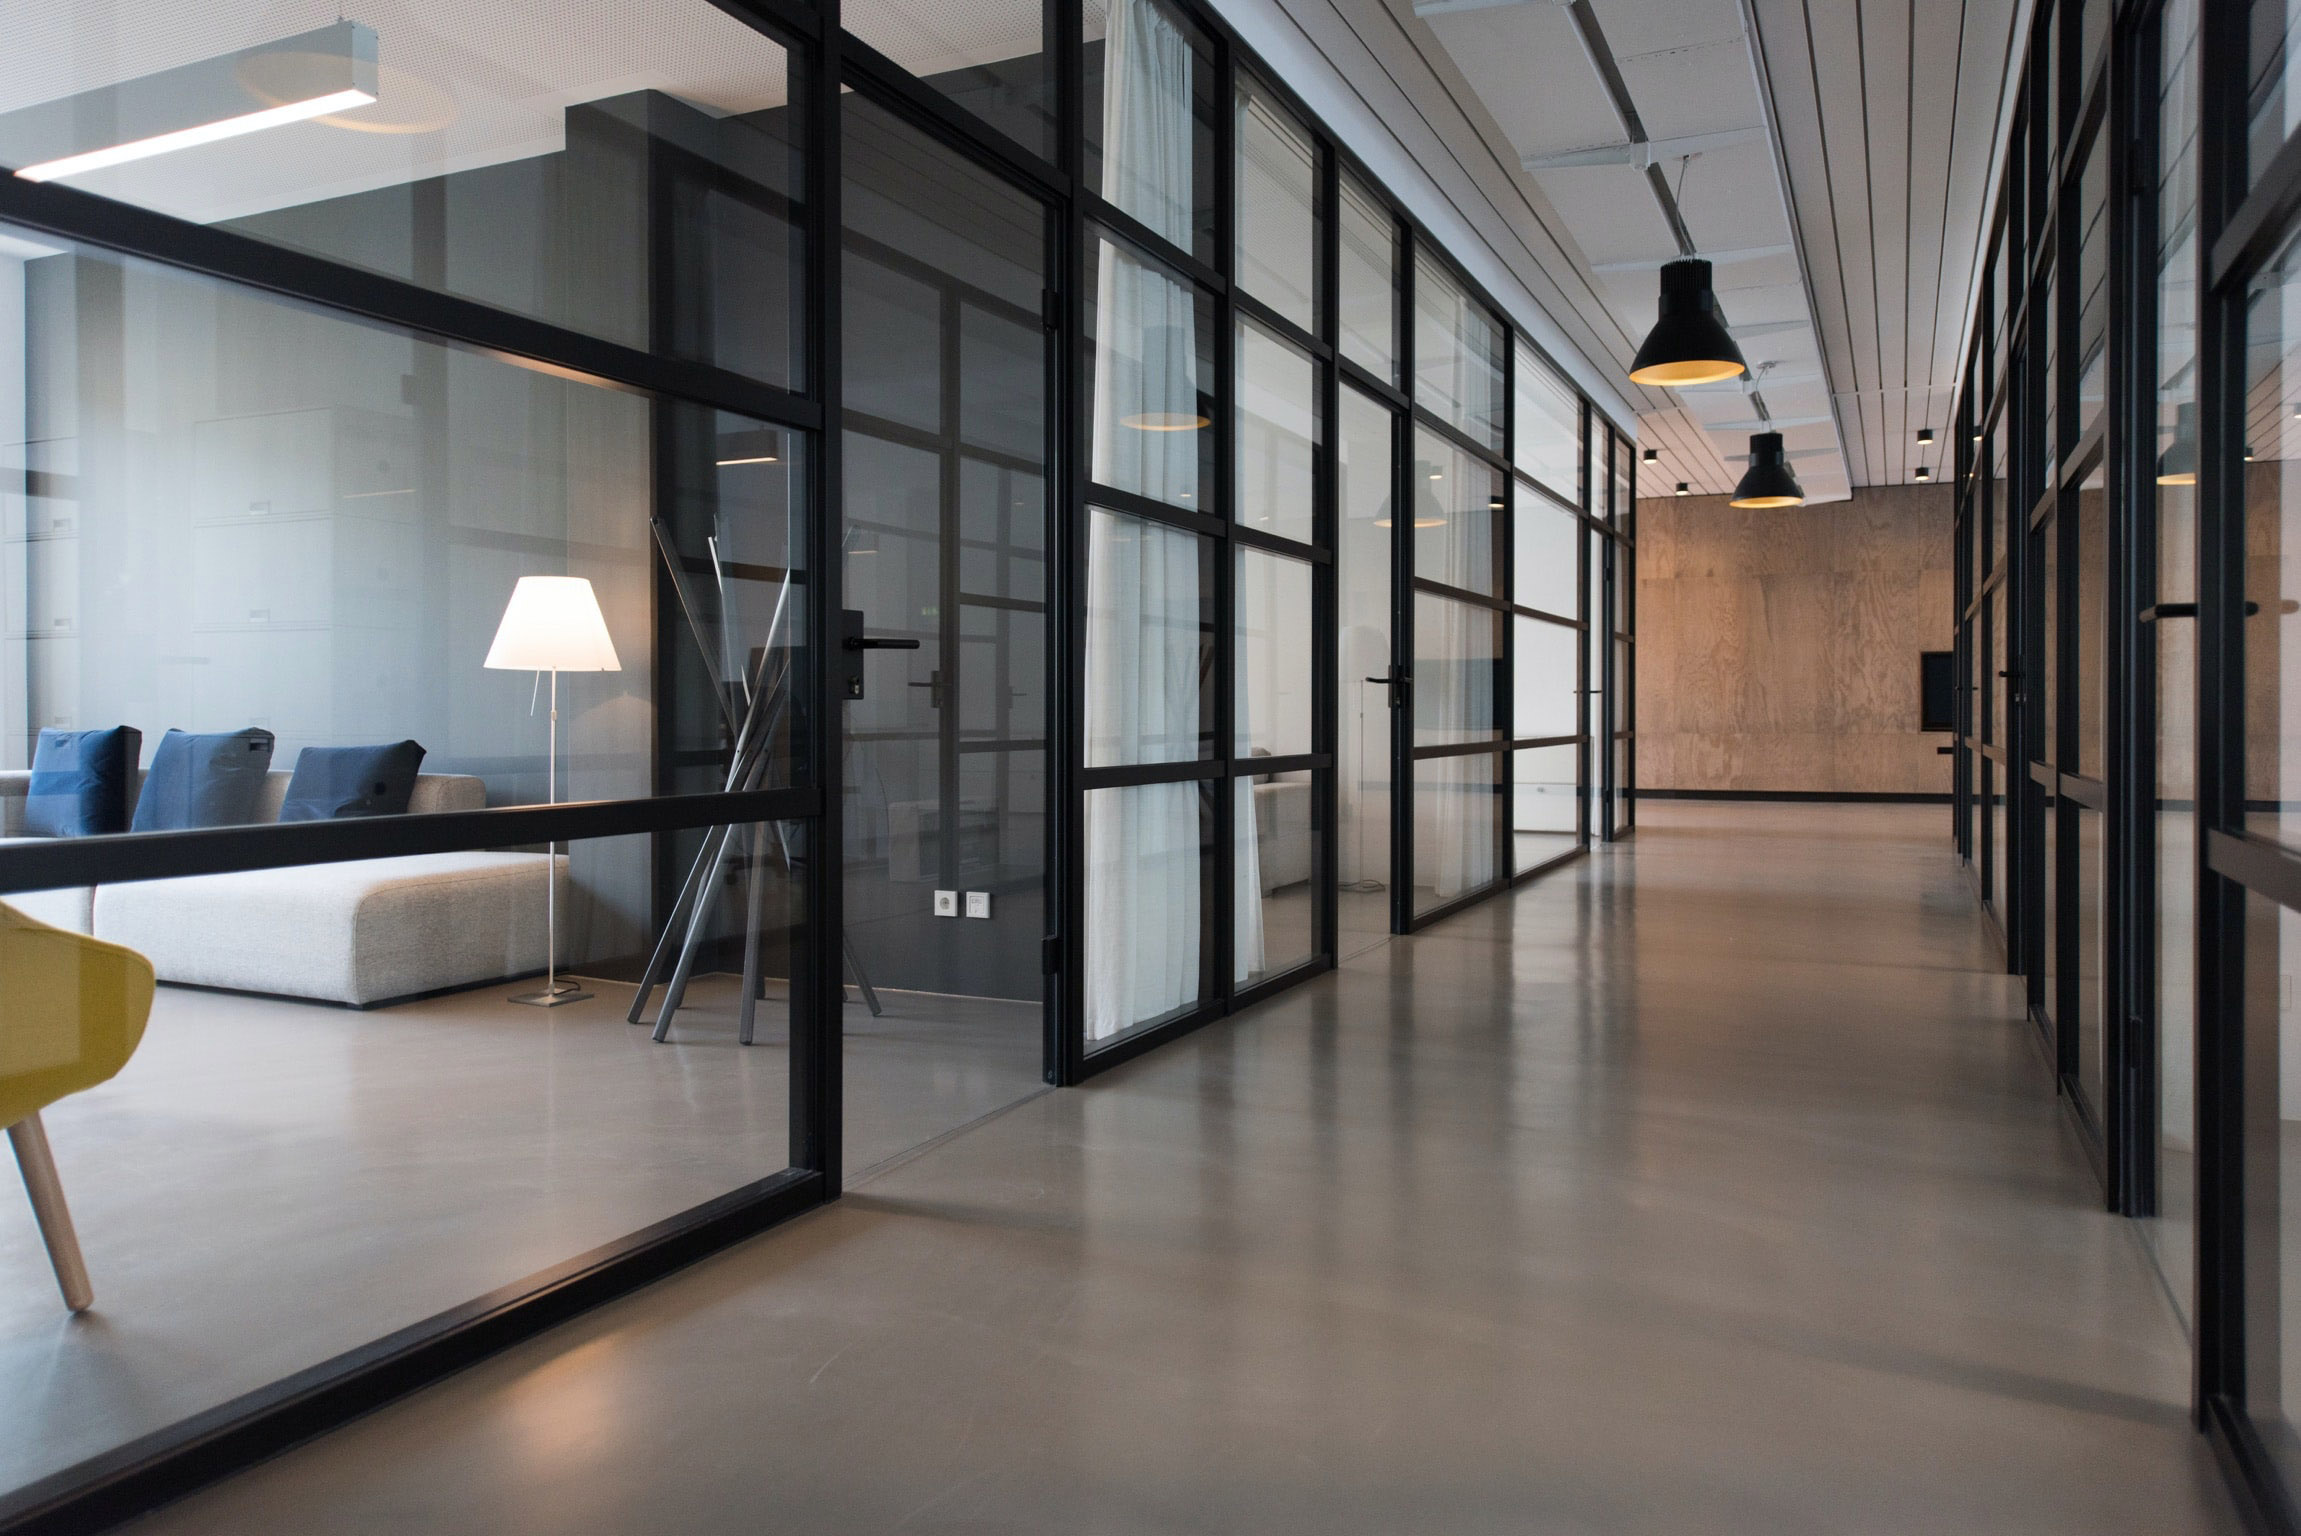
pixel 552 624
pixel 1174 346
pixel 2177 465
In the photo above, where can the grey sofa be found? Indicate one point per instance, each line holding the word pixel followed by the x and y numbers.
pixel 360 933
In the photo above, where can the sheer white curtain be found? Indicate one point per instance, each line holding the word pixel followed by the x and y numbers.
pixel 1146 124
pixel 1145 603
pixel 1144 687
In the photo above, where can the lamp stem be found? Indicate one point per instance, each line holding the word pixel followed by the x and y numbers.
pixel 551 852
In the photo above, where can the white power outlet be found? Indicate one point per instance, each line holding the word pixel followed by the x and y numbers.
pixel 946 903
pixel 978 903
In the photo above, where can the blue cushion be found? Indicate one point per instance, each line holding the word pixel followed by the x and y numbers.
pixel 80 782
pixel 352 781
pixel 204 781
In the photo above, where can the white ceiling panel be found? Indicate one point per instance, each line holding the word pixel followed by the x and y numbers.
pixel 1831 159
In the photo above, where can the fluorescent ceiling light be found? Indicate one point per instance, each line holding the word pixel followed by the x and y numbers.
pixel 273 84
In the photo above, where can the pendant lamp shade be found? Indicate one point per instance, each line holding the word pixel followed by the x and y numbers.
pixel 1689 343
pixel 1769 481
pixel 2177 465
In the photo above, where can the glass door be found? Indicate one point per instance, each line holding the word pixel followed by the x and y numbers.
pixel 1369 689
pixel 945 786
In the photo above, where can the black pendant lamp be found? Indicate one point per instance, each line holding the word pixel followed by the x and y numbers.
pixel 1689 343
pixel 2177 465
pixel 1768 482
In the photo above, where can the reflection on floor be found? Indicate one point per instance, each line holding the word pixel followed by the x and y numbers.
pixel 270 1183
pixel 1710 1184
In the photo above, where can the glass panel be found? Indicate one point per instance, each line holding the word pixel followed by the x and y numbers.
pixel 1546 565
pixel 510 155
pixel 1618 482
pixel 1548 443
pixel 1150 642
pixel 2092 1046
pixel 2092 284
pixel 2049 836
pixel 1999 684
pixel 1276 863
pixel 1362 576
pixel 255 515
pixel 1457 652
pixel 392 1163
pixel 1545 804
pixel 946 768
pixel 1457 811
pixel 1457 354
pixel 1278 435
pixel 1273 655
pixel 2092 622
pixel 2272 1171
pixel 2273 94
pixel 2045 335
pixel 2172 1233
pixel 1151 388
pixel 993 59
pixel 1369 281
pixel 1277 208
pixel 2272 509
pixel 2093 24
pixel 1543 663
pixel 1457 515
pixel 2047 747
pixel 1149 899
pixel 1150 114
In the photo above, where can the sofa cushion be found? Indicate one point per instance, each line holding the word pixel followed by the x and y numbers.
pixel 204 781
pixel 80 782
pixel 332 782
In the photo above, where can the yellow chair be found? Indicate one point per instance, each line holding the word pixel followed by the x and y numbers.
pixel 72 1010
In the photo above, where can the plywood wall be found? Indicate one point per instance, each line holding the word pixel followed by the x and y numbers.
pixel 1778 650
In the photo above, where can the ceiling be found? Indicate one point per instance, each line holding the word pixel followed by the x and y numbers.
pixel 1830 157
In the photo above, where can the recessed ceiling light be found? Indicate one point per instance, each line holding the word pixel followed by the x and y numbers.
pixel 312 74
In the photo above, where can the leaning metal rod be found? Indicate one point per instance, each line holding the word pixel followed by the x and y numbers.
pixel 741 731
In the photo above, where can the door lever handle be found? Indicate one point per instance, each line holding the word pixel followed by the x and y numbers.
pixel 867 643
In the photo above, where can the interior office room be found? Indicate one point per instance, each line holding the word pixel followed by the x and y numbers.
pixel 1147 765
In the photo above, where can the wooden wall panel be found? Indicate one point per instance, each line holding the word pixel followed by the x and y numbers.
pixel 1778 650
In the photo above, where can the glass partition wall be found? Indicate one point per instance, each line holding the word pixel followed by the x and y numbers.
pixel 863 599
pixel 2128 412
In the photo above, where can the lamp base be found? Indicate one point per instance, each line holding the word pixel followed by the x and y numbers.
pixel 552 996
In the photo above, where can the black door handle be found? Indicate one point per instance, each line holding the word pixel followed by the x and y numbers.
pixel 867 643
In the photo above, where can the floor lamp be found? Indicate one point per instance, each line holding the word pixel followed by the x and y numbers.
pixel 552 624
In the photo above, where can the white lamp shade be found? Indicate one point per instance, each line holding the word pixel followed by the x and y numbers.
pixel 553 624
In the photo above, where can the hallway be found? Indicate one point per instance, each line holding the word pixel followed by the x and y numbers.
pixel 1711 1184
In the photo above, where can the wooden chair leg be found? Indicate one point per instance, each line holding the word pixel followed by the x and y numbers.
pixel 47 1192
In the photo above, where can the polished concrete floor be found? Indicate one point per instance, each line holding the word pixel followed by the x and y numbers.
pixel 1711 1184
pixel 270 1183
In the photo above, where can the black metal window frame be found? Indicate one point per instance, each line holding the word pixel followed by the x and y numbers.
pixel 823 59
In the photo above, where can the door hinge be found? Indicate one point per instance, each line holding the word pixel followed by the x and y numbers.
pixel 1050 955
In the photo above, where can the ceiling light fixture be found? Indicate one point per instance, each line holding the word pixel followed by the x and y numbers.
pixel 270 85
pixel 1681 488
pixel 1651 456
pixel 1924 473
pixel 1769 481
pixel 1925 435
pixel 1689 344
